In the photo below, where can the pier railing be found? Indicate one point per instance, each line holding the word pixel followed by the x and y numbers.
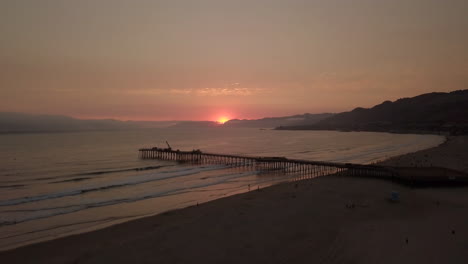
pixel 306 168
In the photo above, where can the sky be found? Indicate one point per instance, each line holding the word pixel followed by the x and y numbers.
pixel 206 59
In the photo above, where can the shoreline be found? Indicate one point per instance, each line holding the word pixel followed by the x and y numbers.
pixel 443 165
pixel 388 130
pixel 450 154
pixel 98 245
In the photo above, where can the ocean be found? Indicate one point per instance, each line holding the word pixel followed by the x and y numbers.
pixel 58 184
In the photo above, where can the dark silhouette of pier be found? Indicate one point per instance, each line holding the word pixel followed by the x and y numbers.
pixel 305 168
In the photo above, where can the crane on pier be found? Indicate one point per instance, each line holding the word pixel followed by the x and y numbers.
pixel 168 146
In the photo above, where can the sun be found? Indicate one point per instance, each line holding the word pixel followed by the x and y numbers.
pixel 222 120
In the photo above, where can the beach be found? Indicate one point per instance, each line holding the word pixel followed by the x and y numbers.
pixel 451 154
pixel 332 219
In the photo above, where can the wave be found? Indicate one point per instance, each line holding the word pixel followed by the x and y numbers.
pixel 74 180
pixel 54 211
pixel 92 173
pixel 122 170
pixel 126 182
pixel 107 172
pixel 11 186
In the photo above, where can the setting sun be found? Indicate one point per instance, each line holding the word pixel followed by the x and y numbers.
pixel 222 120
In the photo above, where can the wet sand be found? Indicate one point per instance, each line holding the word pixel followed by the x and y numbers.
pixel 331 219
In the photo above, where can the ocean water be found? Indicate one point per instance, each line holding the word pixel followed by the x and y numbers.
pixel 57 184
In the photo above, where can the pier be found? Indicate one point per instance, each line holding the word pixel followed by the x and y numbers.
pixel 304 168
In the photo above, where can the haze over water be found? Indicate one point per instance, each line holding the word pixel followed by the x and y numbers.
pixel 63 183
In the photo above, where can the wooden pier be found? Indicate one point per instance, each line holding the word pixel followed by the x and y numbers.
pixel 305 168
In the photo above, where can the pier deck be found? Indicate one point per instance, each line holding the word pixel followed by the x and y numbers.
pixel 306 168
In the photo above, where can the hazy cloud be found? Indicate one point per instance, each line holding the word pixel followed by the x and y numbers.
pixel 230 90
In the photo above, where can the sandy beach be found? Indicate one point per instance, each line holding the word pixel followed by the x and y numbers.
pixel 451 154
pixel 331 219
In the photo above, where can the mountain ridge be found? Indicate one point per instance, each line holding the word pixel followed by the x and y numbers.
pixel 436 112
pixel 271 122
pixel 13 122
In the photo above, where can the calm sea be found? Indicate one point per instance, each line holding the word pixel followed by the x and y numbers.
pixel 59 184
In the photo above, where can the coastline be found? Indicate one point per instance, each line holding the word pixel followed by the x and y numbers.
pixel 451 154
pixel 286 222
pixel 17 235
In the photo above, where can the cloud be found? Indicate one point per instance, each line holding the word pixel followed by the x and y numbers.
pixel 180 91
pixel 233 89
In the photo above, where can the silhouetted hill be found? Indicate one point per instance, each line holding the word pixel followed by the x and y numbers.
pixel 271 122
pixel 23 123
pixel 432 112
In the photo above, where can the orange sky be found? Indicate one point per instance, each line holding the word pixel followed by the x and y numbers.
pixel 200 60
